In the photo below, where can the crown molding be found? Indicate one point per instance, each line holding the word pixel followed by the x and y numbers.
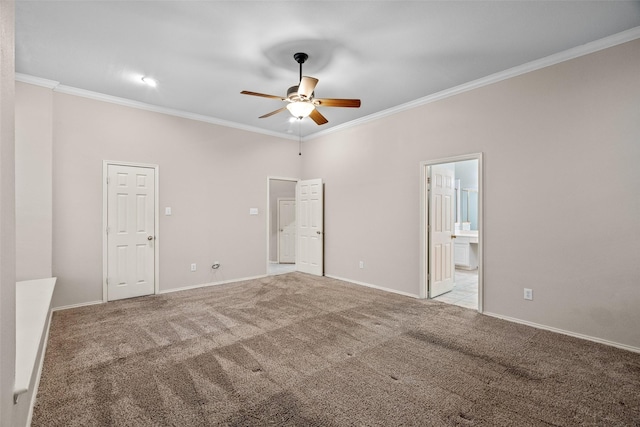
pixel 585 49
pixel 38 81
pixel 69 90
pixel 163 110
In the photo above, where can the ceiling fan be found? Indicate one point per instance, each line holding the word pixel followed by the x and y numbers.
pixel 300 100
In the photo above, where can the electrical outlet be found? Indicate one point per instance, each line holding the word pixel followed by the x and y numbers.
pixel 361 264
pixel 528 294
pixel 193 267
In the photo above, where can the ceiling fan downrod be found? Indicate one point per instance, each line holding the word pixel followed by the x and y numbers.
pixel 300 58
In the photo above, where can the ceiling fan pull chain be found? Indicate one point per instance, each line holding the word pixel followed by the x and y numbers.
pixel 299 137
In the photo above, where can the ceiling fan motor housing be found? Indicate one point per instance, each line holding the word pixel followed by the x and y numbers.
pixel 292 95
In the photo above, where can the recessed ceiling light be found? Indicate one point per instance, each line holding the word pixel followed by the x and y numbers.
pixel 149 81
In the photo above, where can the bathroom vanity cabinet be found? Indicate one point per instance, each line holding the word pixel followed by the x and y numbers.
pixel 466 251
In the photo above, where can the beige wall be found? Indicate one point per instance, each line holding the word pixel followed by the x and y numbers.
pixel 209 175
pixel 33 182
pixel 7 217
pixel 561 152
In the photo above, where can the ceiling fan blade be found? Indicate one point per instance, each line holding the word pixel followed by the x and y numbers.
pixel 333 102
pixel 317 117
pixel 264 95
pixel 306 87
pixel 273 112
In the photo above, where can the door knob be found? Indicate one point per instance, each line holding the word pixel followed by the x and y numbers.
pixel 453 236
pixel 318 232
pixel 150 238
pixel 281 230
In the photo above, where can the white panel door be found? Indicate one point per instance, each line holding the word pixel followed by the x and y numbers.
pixel 130 231
pixel 286 231
pixel 310 225
pixel 441 229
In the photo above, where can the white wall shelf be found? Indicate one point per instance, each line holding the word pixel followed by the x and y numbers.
pixel 33 305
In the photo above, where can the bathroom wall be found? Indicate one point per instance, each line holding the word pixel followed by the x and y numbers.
pixel 467 173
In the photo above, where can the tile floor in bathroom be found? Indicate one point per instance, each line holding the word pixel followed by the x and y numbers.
pixel 275 268
pixel 465 290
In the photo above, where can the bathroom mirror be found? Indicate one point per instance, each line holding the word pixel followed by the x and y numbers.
pixel 469 207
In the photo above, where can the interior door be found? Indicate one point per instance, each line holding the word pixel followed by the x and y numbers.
pixel 441 229
pixel 286 231
pixel 309 228
pixel 130 231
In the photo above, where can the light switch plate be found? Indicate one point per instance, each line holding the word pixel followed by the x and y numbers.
pixel 253 211
pixel 167 211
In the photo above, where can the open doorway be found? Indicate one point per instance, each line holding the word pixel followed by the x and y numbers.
pixel 281 225
pixel 451 223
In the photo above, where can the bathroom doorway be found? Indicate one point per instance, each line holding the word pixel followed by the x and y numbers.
pixel 451 219
pixel 281 225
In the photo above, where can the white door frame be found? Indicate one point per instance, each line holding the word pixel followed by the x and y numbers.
pixel 281 199
pixel 424 216
pixel 156 243
pixel 268 215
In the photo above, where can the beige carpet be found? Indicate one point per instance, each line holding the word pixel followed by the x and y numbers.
pixel 308 351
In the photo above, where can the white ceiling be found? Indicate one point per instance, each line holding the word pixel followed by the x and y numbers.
pixel 387 53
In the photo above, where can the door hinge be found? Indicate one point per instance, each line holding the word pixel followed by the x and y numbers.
pixel 108 180
pixel 107 281
pixel 107 230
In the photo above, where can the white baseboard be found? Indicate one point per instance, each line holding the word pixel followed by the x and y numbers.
pixel 204 285
pixel 510 319
pixel 369 285
pixel 562 331
pixel 80 304
pixel 166 291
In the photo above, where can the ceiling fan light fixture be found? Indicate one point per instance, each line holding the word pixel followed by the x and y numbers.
pixel 300 109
